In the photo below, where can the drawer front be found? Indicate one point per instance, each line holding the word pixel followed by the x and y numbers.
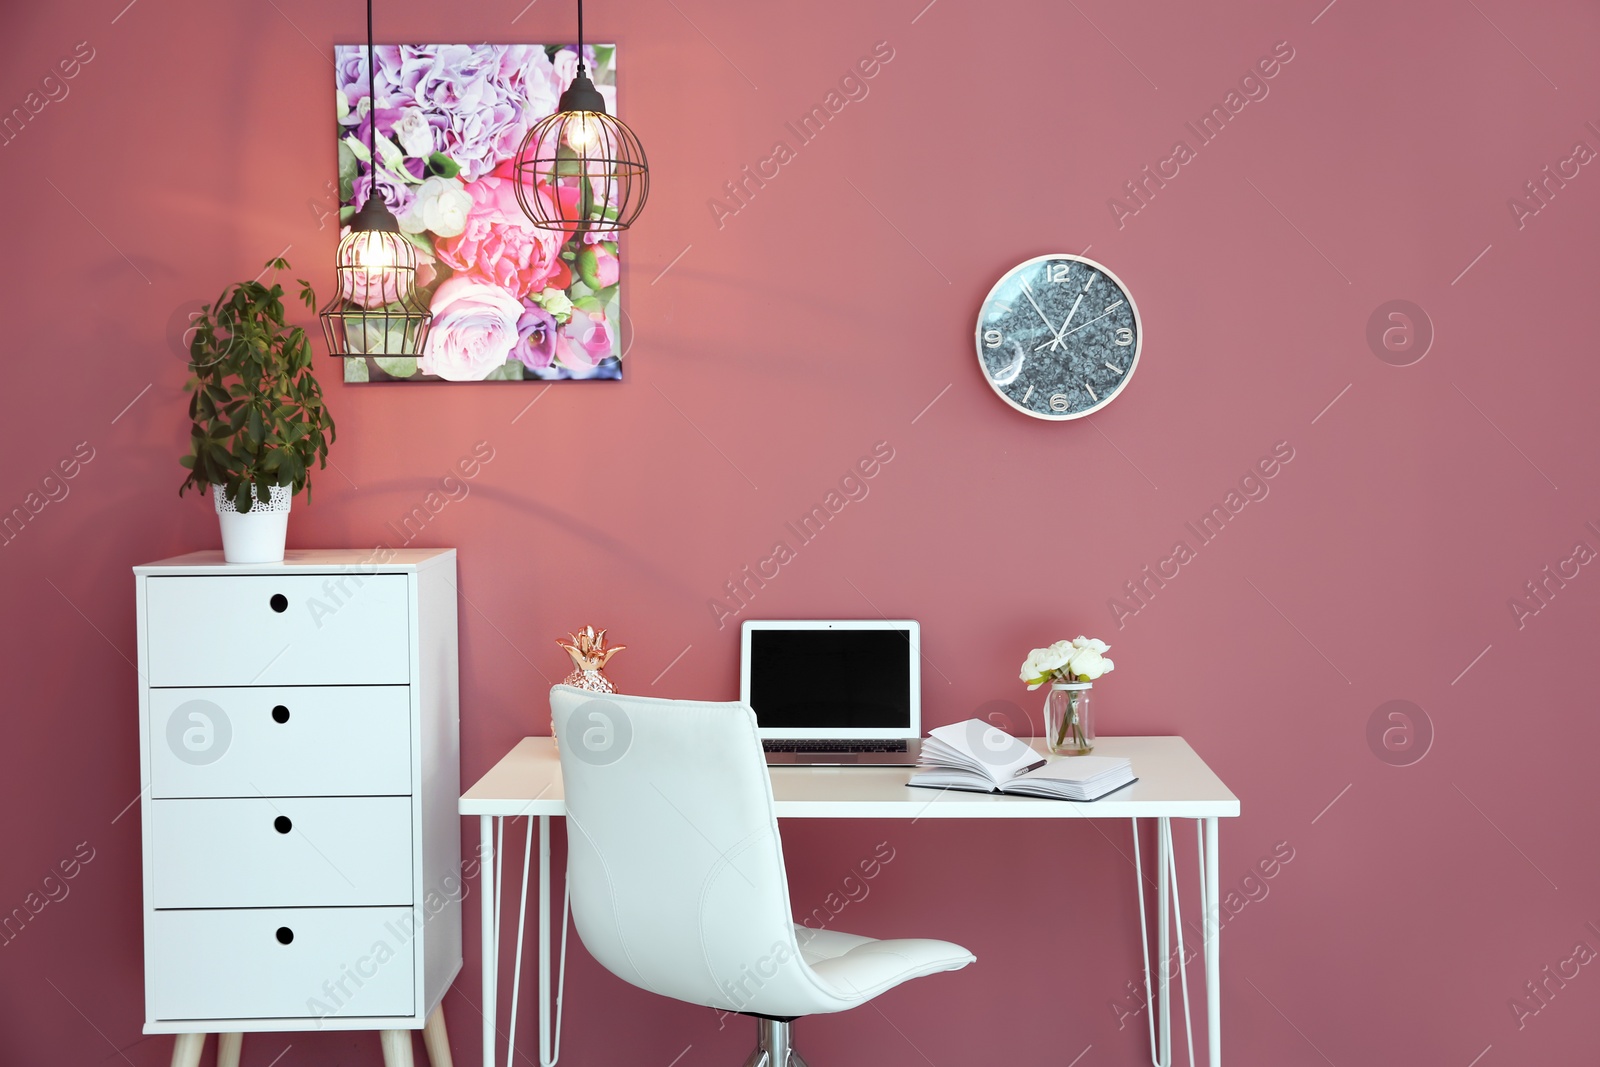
pixel 280 852
pixel 321 629
pixel 234 964
pixel 281 741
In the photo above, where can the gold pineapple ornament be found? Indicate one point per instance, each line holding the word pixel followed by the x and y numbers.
pixel 589 654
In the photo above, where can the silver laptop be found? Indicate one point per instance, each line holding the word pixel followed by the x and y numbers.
pixel 837 693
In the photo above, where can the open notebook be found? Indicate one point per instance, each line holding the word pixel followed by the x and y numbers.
pixel 980 758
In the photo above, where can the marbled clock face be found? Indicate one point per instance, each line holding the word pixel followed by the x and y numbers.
pixel 1058 337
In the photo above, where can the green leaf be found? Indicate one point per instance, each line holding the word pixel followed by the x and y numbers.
pixel 589 267
pixel 511 371
pixel 349 168
pixel 355 369
pixel 423 241
pixel 256 413
pixel 396 366
pixel 443 165
pixel 569 164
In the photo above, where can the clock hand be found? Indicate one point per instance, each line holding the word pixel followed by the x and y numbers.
pixel 1028 292
pixel 1056 340
pixel 1091 322
pixel 1010 371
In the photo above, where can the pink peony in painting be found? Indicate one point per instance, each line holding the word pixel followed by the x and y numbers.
pixel 510 302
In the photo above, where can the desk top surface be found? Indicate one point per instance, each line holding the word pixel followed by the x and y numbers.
pixel 1174 782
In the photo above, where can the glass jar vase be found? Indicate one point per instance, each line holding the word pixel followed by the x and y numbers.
pixel 1068 721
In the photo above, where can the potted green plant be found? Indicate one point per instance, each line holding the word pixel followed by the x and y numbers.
pixel 259 421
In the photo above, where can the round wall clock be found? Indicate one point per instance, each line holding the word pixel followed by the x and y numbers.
pixel 1058 337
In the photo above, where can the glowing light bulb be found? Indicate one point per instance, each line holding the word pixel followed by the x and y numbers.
pixel 582 132
pixel 376 267
pixel 371 251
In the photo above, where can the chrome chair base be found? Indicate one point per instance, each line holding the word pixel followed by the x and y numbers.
pixel 773 1047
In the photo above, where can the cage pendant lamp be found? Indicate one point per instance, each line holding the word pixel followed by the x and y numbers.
pixel 581 170
pixel 375 310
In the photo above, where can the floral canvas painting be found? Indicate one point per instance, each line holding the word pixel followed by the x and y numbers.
pixel 510 302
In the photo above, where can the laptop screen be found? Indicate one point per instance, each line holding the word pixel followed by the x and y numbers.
pixel 833 681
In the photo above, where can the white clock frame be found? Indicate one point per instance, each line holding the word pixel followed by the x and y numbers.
pixel 1138 336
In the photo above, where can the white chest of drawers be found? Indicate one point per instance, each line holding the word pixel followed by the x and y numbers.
pixel 299 744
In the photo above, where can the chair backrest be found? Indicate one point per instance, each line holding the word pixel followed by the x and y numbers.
pixel 674 863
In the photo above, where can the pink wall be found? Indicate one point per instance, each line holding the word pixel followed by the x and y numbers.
pixel 806 327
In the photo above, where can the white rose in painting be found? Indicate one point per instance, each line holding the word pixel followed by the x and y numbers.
pixel 411 129
pixel 474 330
pixel 440 207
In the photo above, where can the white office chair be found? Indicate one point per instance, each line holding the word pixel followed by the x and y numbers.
pixel 676 871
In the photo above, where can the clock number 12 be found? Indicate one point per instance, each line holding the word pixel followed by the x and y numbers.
pixel 1057 272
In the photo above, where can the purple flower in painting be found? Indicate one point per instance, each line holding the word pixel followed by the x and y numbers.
pixel 536 337
pixel 398 193
pixel 472 103
pixel 479 99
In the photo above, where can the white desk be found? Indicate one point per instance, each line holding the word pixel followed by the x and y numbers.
pixel 1174 783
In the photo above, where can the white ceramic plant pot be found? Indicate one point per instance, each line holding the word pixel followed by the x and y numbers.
pixel 256 536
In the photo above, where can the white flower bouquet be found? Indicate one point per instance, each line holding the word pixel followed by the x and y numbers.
pixel 1083 659
pixel 1070 667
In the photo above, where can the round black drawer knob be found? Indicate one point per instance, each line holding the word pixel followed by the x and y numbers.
pixel 285 935
pixel 280 714
pixel 280 603
pixel 282 824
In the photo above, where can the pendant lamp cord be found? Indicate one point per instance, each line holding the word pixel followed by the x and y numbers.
pixel 372 109
pixel 581 70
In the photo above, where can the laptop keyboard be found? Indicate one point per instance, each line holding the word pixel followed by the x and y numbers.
pixel 833 746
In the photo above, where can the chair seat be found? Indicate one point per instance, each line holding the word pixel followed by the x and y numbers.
pixel 859 968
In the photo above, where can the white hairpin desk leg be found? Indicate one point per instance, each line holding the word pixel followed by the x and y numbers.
pixel 1213 929
pixel 549 1021
pixel 545 1056
pixel 516 960
pixel 1164 936
pixel 491 944
pixel 1159 1005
